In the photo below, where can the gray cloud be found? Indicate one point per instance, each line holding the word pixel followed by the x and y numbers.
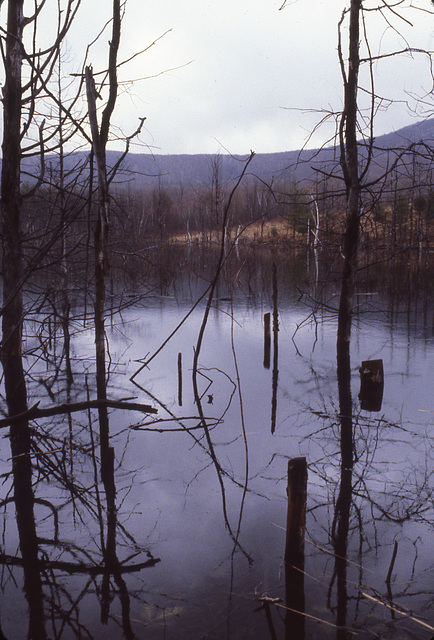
pixel 244 73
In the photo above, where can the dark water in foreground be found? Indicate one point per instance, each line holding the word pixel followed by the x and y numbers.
pixel 213 510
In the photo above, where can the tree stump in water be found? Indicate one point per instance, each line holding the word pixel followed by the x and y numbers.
pixel 294 550
pixel 371 385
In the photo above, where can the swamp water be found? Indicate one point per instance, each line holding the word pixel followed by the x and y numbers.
pixel 199 536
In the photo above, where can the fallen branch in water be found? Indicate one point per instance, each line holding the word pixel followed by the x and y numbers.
pixel 148 426
pixel 277 603
pixel 35 412
pixel 398 609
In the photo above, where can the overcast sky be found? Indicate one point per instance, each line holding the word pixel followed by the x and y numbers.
pixel 242 74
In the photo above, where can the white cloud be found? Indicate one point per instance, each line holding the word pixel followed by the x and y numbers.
pixel 248 61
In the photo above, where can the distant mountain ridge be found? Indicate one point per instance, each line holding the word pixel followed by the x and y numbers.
pixel 195 170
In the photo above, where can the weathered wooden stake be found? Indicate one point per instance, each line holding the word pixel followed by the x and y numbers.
pixel 294 550
pixel 180 379
pixel 392 563
pixel 267 340
pixel 275 352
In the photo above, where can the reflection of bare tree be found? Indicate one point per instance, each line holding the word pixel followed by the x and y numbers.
pixel 66 457
pixel 275 352
pixel 44 563
pixel 197 395
pixel 341 520
pixel 359 508
pixel 371 501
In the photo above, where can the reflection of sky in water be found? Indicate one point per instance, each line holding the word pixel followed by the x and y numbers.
pixel 307 387
pixel 174 504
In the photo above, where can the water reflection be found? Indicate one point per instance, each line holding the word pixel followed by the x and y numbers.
pixel 275 351
pixel 91 565
pixel 341 519
pixel 53 602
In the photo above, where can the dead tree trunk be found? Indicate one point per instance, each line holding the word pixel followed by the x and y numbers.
pixel 350 167
pixel 13 311
pixel 99 143
pixel 101 267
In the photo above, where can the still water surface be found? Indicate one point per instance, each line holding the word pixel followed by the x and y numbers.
pixel 216 523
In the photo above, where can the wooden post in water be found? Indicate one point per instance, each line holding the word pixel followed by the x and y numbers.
pixel 275 352
pixel 294 550
pixel 180 379
pixel 267 340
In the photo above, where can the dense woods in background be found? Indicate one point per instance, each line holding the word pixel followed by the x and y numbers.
pixel 397 220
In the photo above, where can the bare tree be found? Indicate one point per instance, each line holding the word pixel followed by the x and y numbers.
pixel 27 92
pixel 19 99
pixel 350 168
pixel 99 141
pixel 356 157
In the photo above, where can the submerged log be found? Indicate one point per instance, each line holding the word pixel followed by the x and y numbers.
pixel 371 385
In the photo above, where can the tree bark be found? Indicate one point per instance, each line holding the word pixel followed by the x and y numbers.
pixel 350 167
pixel 101 268
pixel 294 549
pixel 99 142
pixel 13 313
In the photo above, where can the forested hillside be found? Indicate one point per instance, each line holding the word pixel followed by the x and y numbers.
pixel 144 169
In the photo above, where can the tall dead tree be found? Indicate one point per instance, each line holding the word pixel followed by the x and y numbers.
pixel 100 136
pixel 13 311
pixel 350 168
pixel 27 70
pixel 355 165
pixel 357 182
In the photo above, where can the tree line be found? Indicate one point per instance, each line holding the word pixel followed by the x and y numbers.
pixel 58 222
